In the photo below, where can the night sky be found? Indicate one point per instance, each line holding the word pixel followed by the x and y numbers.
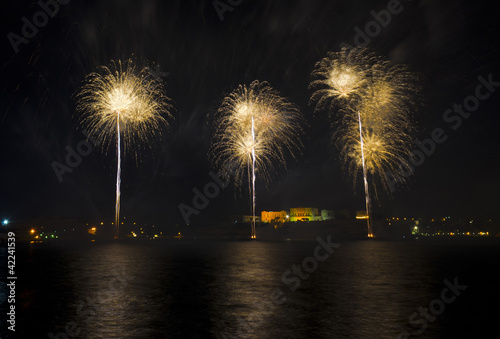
pixel 202 58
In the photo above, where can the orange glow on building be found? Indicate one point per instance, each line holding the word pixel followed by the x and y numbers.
pixel 361 215
pixel 273 216
pixel 304 214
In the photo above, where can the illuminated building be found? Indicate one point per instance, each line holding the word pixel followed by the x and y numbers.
pixel 273 216
pixel 304 214
pixel 327 215
pixel 361 215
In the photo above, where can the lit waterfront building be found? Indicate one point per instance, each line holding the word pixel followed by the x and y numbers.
pixel 327 215
pixel 273 216
pixel 361 215
pixel 304 214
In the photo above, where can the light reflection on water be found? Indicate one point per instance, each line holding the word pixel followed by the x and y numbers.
pixel 365 289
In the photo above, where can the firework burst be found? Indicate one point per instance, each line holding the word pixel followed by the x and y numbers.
pixel 340 78
pixel 120 103
pixel 376 100
pixel 255 128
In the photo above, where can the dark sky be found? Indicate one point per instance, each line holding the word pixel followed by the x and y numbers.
pixel 449 43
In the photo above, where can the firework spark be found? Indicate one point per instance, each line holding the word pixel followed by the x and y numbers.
pixel 123 104
pixel 255 128
pixel 376 99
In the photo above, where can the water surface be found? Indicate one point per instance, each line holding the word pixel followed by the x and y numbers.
pixel 364 289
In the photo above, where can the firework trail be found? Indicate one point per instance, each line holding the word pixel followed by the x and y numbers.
pixel 376 101
pixel 365 179
pixel 118 178
pixel 254 129
pixel 124 103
